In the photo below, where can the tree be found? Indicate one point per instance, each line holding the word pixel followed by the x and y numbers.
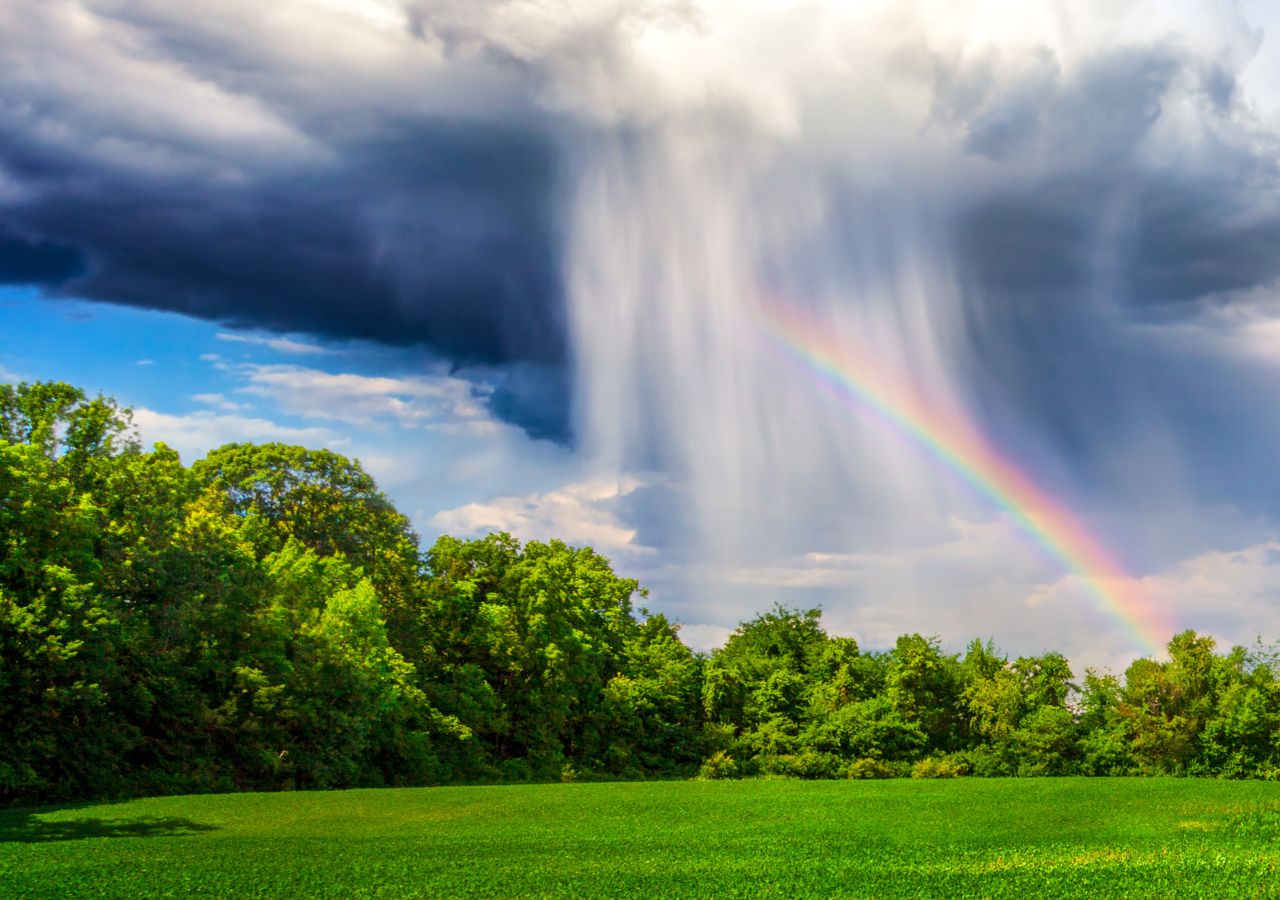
pixel 924 685
pixel 763 669
pixel 320 498
pixel 330 504
pixel 530 637
pixel 651 720
pixel 1106 744
pixel 56 628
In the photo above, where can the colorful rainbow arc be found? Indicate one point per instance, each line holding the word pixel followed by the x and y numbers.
pixel 951 440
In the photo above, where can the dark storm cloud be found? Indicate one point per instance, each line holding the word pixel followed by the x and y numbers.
pixel 1068 279
pixel 1093 200
pixel 536 398
pixel 1029 242
pixel 422 207
pixel 441 234
pixel 1102 234
pixel 1170 242
pixel 1069 286
pixel 1200 239
pixel 325 213
pixel 36 262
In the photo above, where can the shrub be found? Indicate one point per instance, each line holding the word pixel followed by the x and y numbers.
pixel 717 736
pixel 812 764
pixel 809 764
pixel 990 762
pixel 1267 771
pixel 718 765
pixel 868 768
pixel 939 767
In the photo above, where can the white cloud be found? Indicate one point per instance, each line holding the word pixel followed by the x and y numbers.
pixel 982 578
pixel 195 434
pixel 1240 326
pixel 145 362
pixel 576 513
pixel 1231 594
pixel 441 402
pixel 704 638
pixel 281 344
pixel 218 401
pixel 103 87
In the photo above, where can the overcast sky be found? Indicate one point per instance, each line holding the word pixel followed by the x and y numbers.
pixel 502 252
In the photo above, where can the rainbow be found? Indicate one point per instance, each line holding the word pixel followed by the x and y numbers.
pixel 952 440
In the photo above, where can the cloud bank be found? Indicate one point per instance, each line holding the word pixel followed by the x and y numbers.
pixel 1064 219
pixel 399 172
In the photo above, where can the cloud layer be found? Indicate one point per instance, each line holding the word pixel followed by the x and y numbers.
pixel 282 168
pixel 400 172
pixel 1065 219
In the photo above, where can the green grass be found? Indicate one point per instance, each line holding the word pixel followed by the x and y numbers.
pixel 968 837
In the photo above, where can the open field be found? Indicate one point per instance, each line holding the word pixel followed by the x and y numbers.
pixel 1048 837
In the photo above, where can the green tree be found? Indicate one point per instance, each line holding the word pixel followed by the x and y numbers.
pixel 57 630
pixel 530 638
pixel 652 713
pixel 924 685
pixel 317 497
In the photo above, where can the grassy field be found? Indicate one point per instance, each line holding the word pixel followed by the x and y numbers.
pixel 968 837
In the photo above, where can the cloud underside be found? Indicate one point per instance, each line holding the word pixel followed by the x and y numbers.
pixel 1083 208
pixel 397 173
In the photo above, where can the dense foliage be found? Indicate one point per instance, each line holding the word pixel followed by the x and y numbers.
pixel 265 619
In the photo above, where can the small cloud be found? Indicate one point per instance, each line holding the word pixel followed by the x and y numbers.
pixel 220 402
pixel 145 362
pixel 1242 326
pixel 77 312
pixel 210 357
pixel 195 434
pixel 704 638
pixel 439 402
pixel 576 513
pixel 279 344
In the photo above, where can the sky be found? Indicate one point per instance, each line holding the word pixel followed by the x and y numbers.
pixel 526 261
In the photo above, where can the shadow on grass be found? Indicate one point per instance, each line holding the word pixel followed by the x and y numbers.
pixel 28 827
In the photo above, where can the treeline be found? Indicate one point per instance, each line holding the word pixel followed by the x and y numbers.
pixel 265 619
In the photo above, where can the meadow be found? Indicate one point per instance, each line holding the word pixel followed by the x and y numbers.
pixel 787 838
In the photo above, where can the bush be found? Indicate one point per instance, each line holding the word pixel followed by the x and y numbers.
pixel 717 766
pixel 990 762
pixel 812 764
pixel 808 764
pixel 868 768
pixel 939 767
pixel 1267 771
pixel 717 736
pixel 767 765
